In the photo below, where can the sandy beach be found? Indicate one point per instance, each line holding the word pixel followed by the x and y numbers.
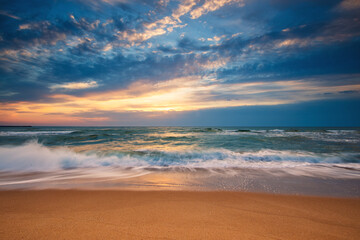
pixel 179 119
pixel 74 214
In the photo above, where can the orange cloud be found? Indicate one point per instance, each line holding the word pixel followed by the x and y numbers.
pixel 9 15
pixel 75 85
pixel 210 6
pixel 350 4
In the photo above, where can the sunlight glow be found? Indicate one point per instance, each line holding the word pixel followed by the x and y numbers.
pixel 175 95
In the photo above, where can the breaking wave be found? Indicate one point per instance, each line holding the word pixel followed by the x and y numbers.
pixel 33 156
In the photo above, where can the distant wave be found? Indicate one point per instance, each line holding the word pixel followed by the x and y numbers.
pixel 33 133
pixel 33 156
pixel 351 136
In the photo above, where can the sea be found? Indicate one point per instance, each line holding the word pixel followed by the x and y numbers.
pixel 288 160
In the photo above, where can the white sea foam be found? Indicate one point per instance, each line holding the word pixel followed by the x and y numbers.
pixel 342 131
pixel 70 175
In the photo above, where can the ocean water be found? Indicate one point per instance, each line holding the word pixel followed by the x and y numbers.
pixel 130 152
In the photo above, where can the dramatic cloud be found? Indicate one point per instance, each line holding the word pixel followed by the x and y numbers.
pixel 98 61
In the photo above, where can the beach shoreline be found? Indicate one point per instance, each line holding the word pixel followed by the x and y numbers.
pixel 313 180
pixel 105 214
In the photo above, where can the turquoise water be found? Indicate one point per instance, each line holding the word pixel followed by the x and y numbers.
pixel 51 148
pixel 314 161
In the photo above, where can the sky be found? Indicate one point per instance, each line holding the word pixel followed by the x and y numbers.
pixel 180 63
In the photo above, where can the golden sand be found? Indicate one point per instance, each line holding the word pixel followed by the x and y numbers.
pixel 72 214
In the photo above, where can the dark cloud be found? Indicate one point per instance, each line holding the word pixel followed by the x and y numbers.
pixel 302 63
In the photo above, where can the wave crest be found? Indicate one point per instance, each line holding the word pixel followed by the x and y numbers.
pixel 34 156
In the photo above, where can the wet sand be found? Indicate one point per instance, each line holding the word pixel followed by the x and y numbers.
pixel 74 214
pixel 309 181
